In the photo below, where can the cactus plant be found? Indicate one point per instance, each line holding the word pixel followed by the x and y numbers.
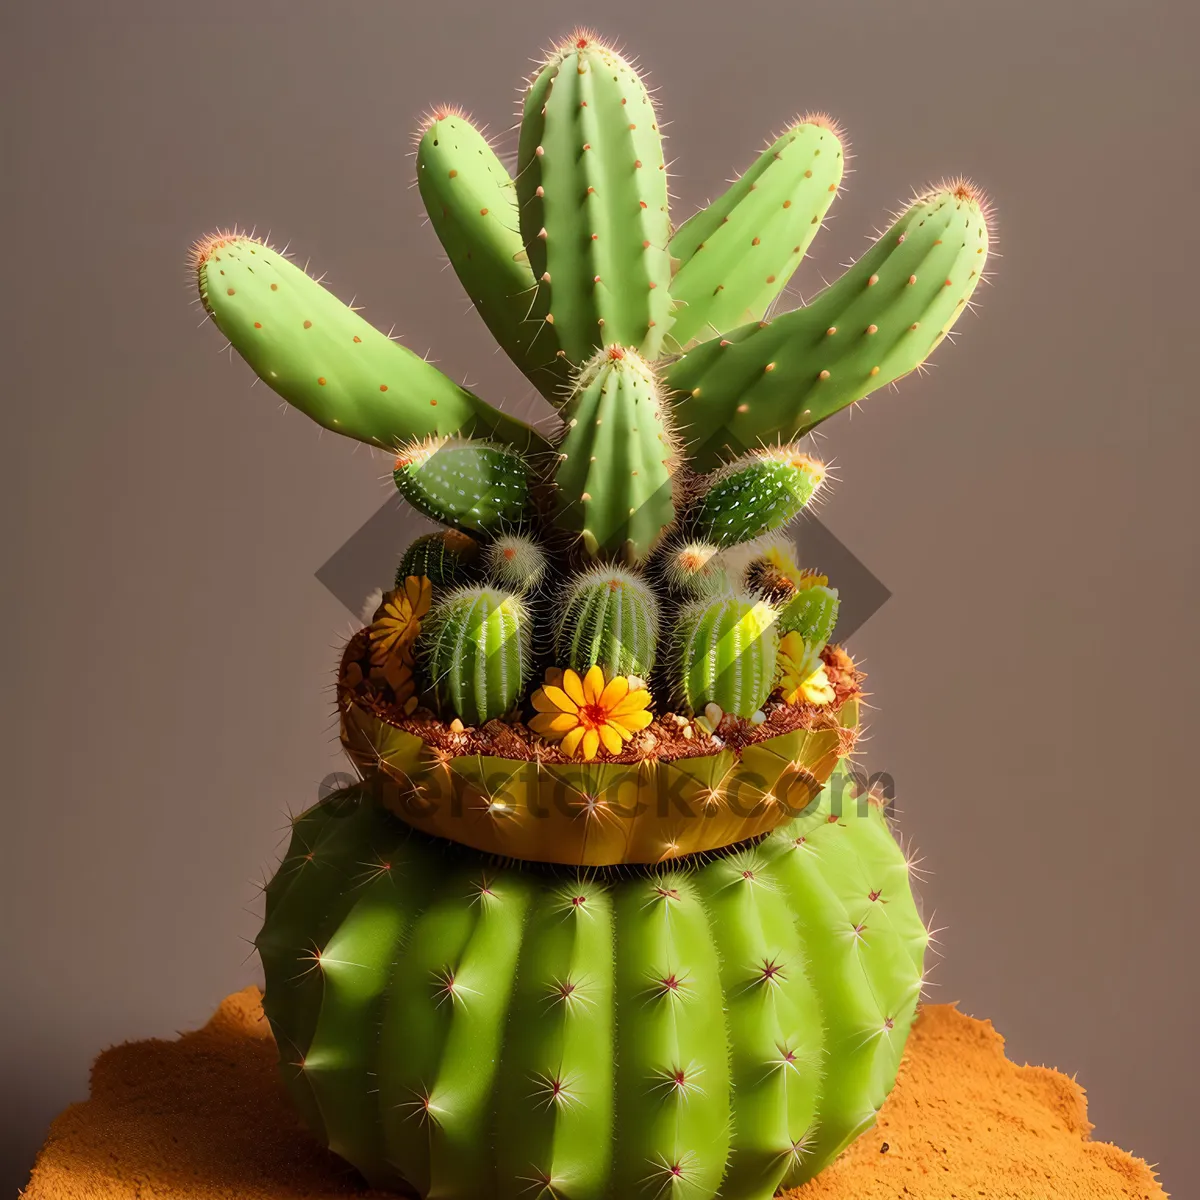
pixel 448 1024
pixel 610 620
pixel 447 558
pixel 476 645
pixel 724 654
pixel 516 562
pixel 756 494
pixel 463 1028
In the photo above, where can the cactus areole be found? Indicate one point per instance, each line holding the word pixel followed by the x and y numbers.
pixel 607 914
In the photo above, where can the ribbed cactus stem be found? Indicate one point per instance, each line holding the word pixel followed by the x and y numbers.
pixel 516 562
pixel 757 493
pixel 609 619
pixel 812 613
pixel 476 649
pixel 592 189
pixel 614 480
pixel 725 654
pixel 447 558
pixel 480 486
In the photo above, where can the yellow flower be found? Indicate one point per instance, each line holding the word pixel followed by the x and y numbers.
pixel 796 680
pixel 394 630
pixel 585 714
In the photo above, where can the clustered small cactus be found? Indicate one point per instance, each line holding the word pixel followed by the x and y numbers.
pixel 651 515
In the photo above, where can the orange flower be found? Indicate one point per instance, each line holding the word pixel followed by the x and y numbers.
pixel 585 714
pixel 798 680
pixel 394 630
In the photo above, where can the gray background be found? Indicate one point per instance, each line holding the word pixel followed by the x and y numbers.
pixel 1031 503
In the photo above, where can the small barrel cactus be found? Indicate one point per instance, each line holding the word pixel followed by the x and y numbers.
pixel 516 562
pixel 757 493
pixel 478 486
pixel 447 558
pixel 725 654
pixel 476 647
pixel 695 569
pixel 610 620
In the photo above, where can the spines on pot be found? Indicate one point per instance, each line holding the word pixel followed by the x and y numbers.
pixel 725 654
pixel 447 558
pixel 610 619
pixel 322 357
pixel 879 321
pixel 736 256
pixel 592 189
pixel 615 475
pixel 472 206
pixel 516 562
pixel 757 493
pixel 476 649
pixel 475 485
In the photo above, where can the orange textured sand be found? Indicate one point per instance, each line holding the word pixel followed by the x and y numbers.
pixel 204 1118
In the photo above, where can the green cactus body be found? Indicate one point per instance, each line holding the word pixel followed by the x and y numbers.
pixel 812 613
pixel 449 1023
pixel 879 321
pixel 447 558
pixel 736 256
pixel 476 646
pixel 517 563
pixel 695 569
pixel 614 480
pixel 592 189
pixel 475 485
pixel 322 357
pixel 609 619
pixel 725 654
pixel 472 206
pixel 757 493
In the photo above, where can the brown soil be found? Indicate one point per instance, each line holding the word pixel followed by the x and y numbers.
pixel 667 737
pixel 205 1118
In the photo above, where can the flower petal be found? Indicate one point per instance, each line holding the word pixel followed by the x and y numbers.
pixel 573 686
pixel 611 736
pixel 614 692
pixel 636 700
pixel 571 742
pixel 591 743
pixel 553 699
pixel 553 725
pixel 633 721
pixel 593 684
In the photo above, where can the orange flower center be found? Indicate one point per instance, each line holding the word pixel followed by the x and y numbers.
pixel 593 715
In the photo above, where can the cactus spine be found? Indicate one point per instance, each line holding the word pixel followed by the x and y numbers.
pixel 725 654
pixel 476 644
pixel 610 619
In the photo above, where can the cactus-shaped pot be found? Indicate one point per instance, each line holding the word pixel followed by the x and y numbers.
pixel 605 918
